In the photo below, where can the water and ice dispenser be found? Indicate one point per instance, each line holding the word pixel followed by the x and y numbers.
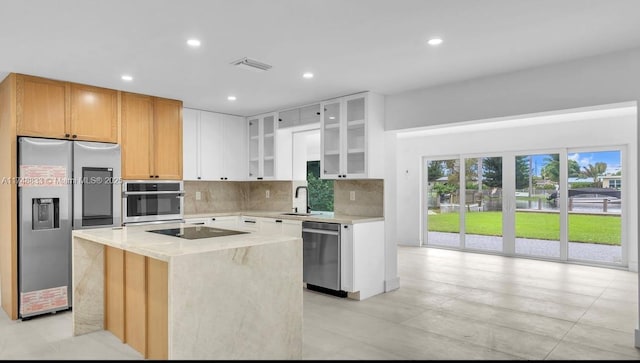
pixel 46 213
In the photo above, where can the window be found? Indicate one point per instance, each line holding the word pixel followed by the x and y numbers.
pixel 320 190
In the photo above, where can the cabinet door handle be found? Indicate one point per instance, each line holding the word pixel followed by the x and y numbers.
pixel 213 219
pixel 249 221
pixel 259 178
pixel 150 176
pixel 318 113
pixel 67 135
pixel 278 220
pixel 199 178
pixel 74 136
pixel 198 223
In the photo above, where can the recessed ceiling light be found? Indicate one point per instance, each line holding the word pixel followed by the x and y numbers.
pixel 332 117
pixel 127 77
pixel 231 98
pixel 193 42
pixel 308 75
pixel 435 41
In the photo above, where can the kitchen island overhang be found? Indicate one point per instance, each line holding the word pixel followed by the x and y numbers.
pixel 231 297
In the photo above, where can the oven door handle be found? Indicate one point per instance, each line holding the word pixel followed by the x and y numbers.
pixel 179 194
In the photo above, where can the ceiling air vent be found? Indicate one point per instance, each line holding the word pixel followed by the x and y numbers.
pixel 251 64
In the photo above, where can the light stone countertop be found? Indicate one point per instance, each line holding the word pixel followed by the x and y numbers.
pixel 136 239
pixel 320 217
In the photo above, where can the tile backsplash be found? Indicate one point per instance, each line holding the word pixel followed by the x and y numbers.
pixel 215 196
pixel 368 195
pixel 230 196
pixel 280 196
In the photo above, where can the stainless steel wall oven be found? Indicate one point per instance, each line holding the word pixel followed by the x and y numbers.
pixel 146 201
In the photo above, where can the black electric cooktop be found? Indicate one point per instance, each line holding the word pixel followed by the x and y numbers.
pixel 196 232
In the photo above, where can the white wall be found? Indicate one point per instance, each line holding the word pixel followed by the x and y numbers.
pixel 600 80
pixel 586 82
pixel 584 129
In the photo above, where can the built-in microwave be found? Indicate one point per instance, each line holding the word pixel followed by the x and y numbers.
pixel 146 201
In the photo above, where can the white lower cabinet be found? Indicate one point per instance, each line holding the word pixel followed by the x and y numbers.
pixel 225 222
pixel 254 224
pixel 362 259
pixel 249 223
pixel 280 226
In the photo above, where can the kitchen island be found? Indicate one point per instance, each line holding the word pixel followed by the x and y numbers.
pixel 227 297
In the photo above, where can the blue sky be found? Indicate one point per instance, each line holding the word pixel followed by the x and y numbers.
pixel 612 158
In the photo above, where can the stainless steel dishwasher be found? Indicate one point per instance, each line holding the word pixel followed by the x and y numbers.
pixel 321 257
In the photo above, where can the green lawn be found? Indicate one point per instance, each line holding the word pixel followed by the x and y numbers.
pixel 582 228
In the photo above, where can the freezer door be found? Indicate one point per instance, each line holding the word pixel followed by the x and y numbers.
pixel 44 246
pixel 96 193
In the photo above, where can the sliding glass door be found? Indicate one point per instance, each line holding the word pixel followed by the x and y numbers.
pixel 595 206
pixel 483 203
pixel 442 200
pixel 537 212
pixel 563 205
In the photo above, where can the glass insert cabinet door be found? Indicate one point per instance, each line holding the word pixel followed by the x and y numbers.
pixel 331 139
pixel 269 146
pixel 355 153
pixel 254 147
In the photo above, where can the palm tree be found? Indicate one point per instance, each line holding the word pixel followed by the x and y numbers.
pixel 594 171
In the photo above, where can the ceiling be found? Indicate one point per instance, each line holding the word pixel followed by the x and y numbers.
pixel 350 45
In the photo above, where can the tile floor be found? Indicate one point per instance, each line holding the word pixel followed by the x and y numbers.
pixel 451 305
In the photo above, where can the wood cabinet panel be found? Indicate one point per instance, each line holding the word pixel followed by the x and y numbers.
pixel 137 128
pixel 157 309
pixel 42 107
pixel 167 138
pixel 114 291
pixel 9 197
pixel 135 301
pixel 94 113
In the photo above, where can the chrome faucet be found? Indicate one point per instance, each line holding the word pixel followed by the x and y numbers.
pixel 307 202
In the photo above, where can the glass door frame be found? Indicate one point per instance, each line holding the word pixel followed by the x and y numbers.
pixel 509 201
pixel 424 220
pixel 624 244
pixel 424 197
pixel 463 199
pixel 562 202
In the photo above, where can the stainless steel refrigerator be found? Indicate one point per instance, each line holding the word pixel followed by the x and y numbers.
pixel 63 185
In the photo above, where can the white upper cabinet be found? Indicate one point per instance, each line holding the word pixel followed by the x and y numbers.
pixel 190 154
pixel 210 141
pixel 352 137
pixel 299 116
pixel 213 146
pixel 262 146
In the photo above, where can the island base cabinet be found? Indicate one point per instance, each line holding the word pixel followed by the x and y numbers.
pixel 135 311
pixel 236 303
